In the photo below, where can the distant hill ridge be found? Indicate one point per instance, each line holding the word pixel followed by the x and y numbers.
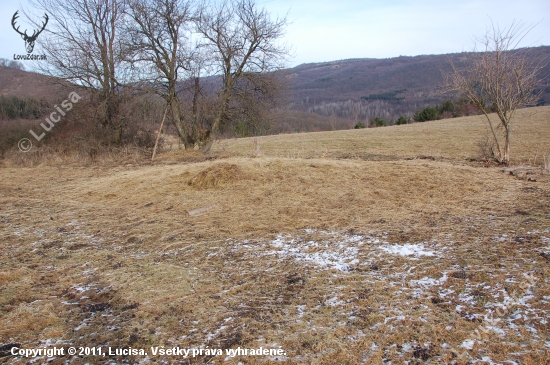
pixel 25 84
pixel 342 88
pixel 352 89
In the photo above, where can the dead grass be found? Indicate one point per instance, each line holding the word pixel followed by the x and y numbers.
pixel 450 139
pixel 298 253
pixel 217 175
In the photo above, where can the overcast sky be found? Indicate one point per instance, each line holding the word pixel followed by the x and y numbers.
pixel 328 30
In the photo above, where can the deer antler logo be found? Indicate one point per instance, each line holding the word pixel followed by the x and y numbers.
pixel 29 40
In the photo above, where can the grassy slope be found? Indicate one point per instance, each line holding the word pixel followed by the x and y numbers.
pixel 110 256
pixel 454 139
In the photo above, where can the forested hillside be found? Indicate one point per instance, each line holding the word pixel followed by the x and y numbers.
pixel 362 89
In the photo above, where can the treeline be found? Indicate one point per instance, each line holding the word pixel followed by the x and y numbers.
pixel 366 111
pixel 391 95
pixel 445 110
pixel 361 110
pixel 292 121
pixel 13 107
pixel 208 67
pixel 379 122
pixel 11 64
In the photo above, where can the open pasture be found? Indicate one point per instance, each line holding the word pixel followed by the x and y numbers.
pixel 350 247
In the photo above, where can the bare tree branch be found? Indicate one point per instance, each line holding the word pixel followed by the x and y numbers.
pixel 81 45
pixel 500 78
pixel 242 40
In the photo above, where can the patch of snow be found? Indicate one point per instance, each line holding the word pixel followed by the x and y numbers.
pixel 83 324
pixel 212 336
pixel 468 344
pixel 407 347
pixel 408 249
pixel 424 283
pixel 334 302
pixel 398 318
pixel 82 289
pixel 486 360
pixel 339 255
pixel 466 298
pixel 497 330
pixel 444 292
pixel 427 281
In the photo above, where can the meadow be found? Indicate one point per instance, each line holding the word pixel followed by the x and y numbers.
pixel 400 244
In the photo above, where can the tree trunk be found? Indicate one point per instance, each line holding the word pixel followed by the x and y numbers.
pixel 508 135
pixel 178 123
pixel 208 140
pixel 211 136
pixel 113 121
pixel 196 128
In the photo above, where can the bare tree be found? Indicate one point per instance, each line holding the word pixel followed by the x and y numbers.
pixel 242 42
pixel 160 51
pixel 182 49
pixel 82 45
pixel 499 79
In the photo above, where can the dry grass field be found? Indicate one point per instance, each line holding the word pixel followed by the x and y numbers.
pixel 455 139
pixel 376 246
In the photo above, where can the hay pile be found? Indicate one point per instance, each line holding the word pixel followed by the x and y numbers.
pixel 217 175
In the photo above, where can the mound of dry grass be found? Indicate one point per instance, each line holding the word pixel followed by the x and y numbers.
pixel 217 175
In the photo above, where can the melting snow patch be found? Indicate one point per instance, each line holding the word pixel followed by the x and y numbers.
pixel 398 318
pixel 82 289
pixel 487 360
pixel 328 250
pixel 339 253
pixel 444 292
pixel 468 344
pixel 408 249
pixel 212 336
pixel 334 302
pixel 427 281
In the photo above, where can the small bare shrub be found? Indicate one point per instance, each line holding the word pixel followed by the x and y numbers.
pixel 486 148
pixel 11 132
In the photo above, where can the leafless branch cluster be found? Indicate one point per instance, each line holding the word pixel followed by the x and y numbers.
pixel 210 62
pixel 499 78
pixel 82 44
